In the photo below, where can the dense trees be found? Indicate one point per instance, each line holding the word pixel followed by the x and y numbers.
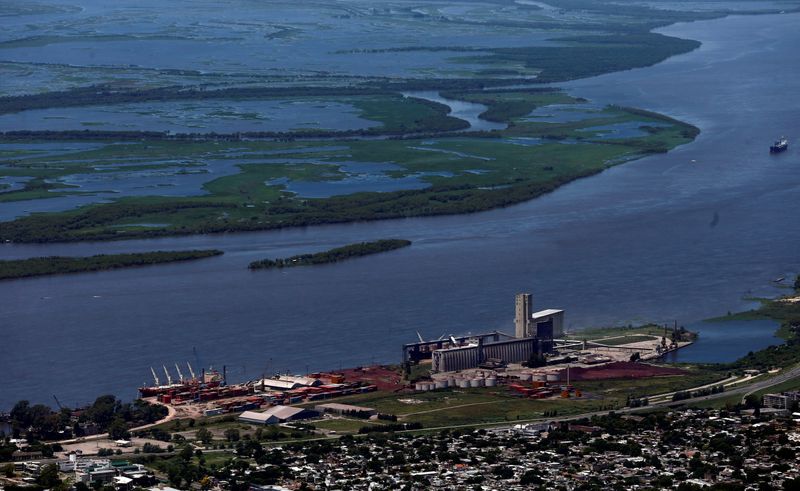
pixel 39 422
pixel 204 435
pixel 333 255
pixel 39 266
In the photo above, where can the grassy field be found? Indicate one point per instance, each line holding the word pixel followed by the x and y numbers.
pixel 497 405
pixel 342 425
pixel 463 172
pixel 618 341
pixel 622 331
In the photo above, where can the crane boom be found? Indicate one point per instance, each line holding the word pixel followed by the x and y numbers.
pixel 191 372
pixel 180 375
pixel 155 377
pixel 169 377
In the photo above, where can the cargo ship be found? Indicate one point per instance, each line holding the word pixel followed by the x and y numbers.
pixel 207 380
pixel 780 145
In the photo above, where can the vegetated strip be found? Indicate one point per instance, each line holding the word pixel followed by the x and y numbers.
pixel 333 255
pixel 41 266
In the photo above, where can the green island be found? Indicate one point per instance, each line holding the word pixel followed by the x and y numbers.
pixel 334 255
pixel 452 172
pixel 51 265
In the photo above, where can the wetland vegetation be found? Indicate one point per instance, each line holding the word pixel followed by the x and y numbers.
pixel 402 156
pixel 418 175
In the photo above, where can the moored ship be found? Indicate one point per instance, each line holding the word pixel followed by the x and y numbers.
pixel 780 145
pixel 207 380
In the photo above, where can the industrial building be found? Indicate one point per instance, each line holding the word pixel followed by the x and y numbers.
pixel 534 331
pixel 544 324
pixel 783 400
pixel 277 414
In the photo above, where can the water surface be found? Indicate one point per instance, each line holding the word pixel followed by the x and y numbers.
pixel 725 341
pixel 681 236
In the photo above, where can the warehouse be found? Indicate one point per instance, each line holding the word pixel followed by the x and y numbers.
pixel 471 356
pixel 277 414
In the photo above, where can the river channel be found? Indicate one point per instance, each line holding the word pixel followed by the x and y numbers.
pixel 681 236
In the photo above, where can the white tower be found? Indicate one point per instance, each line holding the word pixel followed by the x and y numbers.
pixel 524 307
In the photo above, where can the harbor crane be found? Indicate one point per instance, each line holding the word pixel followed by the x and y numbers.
pixel 180 375
pixel 169 377
pixel 155 377
pixel 191 372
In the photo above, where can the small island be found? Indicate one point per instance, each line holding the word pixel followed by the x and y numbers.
pixel 41 266
pixel 333 255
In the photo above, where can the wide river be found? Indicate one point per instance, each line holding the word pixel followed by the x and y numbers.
pixel 686 236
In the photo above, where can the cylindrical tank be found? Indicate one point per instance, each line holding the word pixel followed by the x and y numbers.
pixel 441 384
pixel 475 382
pixel 491 382
pixel 451 382
pixel 525 377
pixel 541 377
pixel 463 383
pixel 553 377
pixel 419 386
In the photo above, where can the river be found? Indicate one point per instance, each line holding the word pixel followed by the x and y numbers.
pixel 685 235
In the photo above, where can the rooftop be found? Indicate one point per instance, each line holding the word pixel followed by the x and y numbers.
pixel 546 312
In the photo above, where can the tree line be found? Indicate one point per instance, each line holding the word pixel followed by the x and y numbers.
pixel 333 255
pixel 50 265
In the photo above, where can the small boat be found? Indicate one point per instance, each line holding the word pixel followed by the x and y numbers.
pixel 780 145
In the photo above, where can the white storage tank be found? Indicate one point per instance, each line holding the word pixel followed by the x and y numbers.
pixel 463 383
pixel 491 382
pixel 441 384
pixel 475 382
pixel 553 377
pixel 539 377
pixel 419 386
pixel 525 377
